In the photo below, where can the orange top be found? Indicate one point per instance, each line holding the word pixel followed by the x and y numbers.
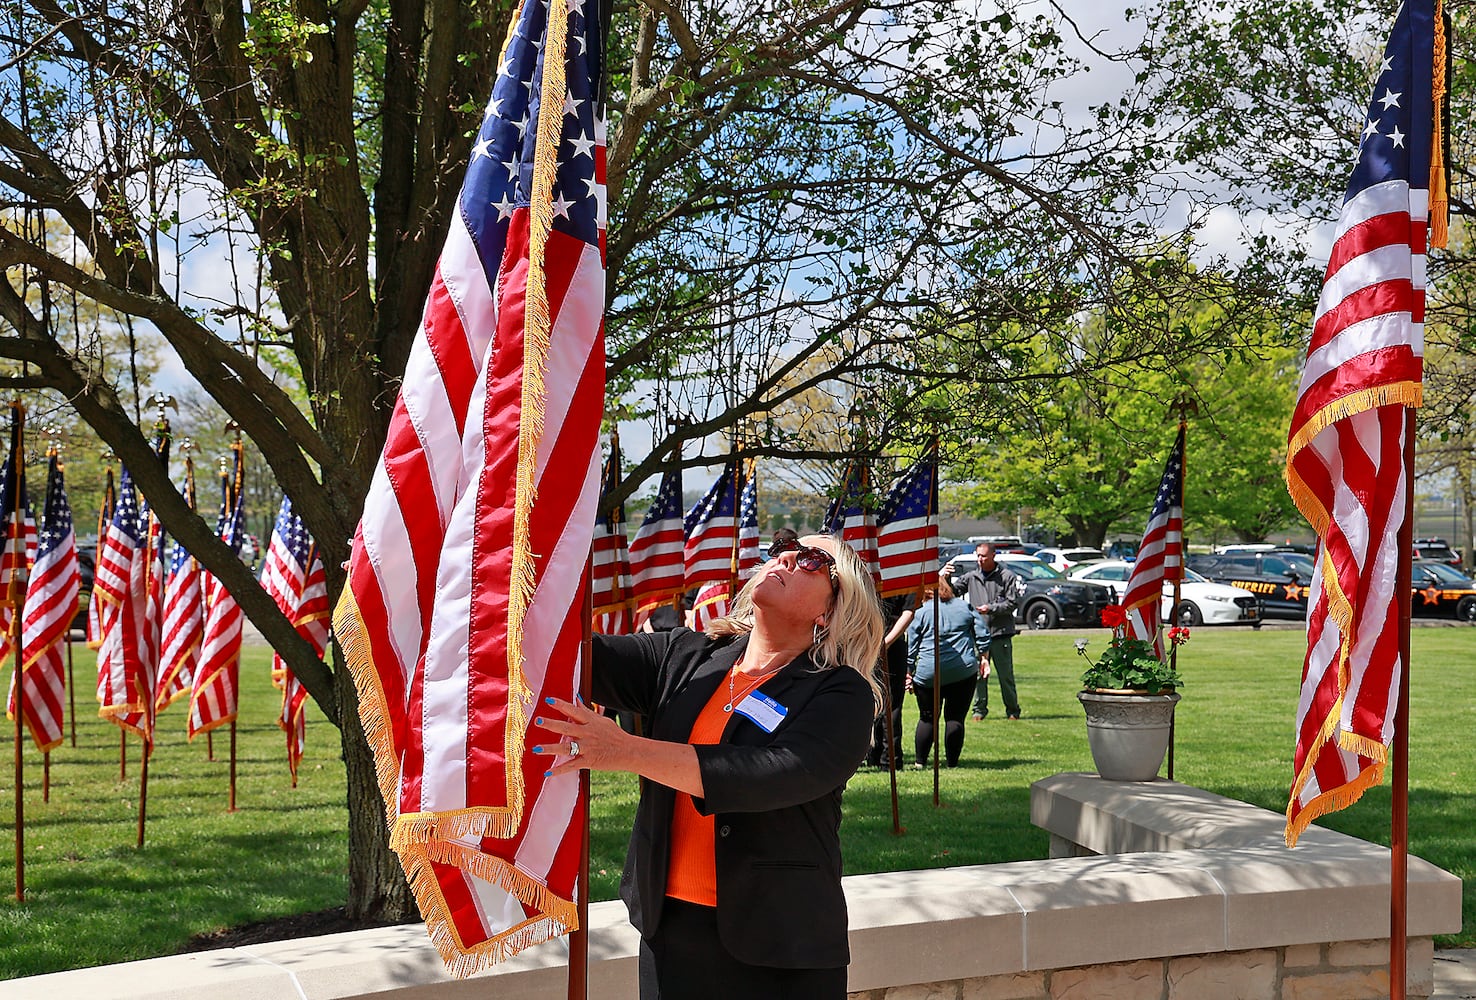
pixel 691 874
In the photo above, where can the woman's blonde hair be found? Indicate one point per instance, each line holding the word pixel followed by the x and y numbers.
pixel 853 633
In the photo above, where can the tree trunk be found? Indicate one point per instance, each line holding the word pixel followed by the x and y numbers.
pixel 377 890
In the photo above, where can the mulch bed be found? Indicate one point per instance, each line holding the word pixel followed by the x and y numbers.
pixel 299 925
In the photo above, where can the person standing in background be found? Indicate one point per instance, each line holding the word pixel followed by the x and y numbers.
pixel 958 629
pixel 995 592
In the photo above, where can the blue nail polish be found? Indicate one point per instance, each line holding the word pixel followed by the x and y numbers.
pixel 549 699
pixel 537 720
pixel 548 774
pixel 538 749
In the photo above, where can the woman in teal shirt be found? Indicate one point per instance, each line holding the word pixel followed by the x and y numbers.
pixel 961 632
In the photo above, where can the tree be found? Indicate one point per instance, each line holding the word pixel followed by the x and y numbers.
pixel 1088 457
pixel 792 188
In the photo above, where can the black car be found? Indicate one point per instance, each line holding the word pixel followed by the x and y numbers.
pixel 1050 599
pixel 1282 580
pixel 1442 591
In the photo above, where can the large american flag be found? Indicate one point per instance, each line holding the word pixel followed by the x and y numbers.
pixel 184 616
pixel 656 565
pixel 711 526
pixel 907 529
pixel 610 579
pixel 1346 445
pixel 94 601
pixel 125 675
pixel 1161 553
pixel 467 575
pixel 50 604
pixel 215 695
pixel 295 579
pixel 850 515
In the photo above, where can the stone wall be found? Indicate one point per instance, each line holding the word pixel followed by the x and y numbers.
pixel 1155 890
pixel 1345 970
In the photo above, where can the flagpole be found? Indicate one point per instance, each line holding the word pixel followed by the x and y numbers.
pixel 937 687
pixel 16 599
pixel 579 939
pixel 71 687
pixel 1399 819
pixel 1185 405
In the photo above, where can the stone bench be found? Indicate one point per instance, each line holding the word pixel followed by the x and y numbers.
pixel 1221 908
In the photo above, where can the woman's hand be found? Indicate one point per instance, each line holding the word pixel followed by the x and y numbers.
pixel 602 743
pixel 604 746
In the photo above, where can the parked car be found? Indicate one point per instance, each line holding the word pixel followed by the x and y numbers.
pixel 1067 559
pixel 1436 549
pixel 1050 598
pixel 1201 601
pixel 1280 579
pixel 1440 590
pixel 1002 543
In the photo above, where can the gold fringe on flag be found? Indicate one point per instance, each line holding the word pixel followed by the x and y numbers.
pixel 1439 91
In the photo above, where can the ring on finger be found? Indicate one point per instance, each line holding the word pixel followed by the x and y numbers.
pixel 573 748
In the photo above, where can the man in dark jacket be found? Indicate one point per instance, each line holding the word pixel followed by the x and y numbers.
pixel 995 592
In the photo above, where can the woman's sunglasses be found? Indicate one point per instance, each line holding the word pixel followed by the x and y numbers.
pixel 811 560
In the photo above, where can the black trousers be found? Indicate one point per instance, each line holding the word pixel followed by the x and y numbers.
pixel 955 698
pixel 686 961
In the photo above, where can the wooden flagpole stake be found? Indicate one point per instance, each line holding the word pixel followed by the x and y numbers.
pixel 1399 818
pixel 937 689
pixel 16 598
pixel 71 688
pixel 122 756
pixel 20 785
pixel 45 776
pixel 210 745
pixel 143 791
pixel 579 939
pixel 232 806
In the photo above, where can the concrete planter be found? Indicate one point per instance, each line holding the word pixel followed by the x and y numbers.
pixel 1128 732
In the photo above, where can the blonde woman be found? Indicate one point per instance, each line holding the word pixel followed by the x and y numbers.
pixel 733 876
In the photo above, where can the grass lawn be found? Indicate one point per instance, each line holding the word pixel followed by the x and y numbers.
pixel 93 898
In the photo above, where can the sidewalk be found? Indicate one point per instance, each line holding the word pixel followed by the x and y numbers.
pixel 1455 974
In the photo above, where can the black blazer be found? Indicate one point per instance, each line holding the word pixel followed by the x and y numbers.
pixel 775 797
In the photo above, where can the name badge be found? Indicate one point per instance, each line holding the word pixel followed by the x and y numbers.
pixel 762 711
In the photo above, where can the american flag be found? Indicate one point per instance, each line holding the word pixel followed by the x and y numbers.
pixel 711 526
pixel 656 568
pixel 94 600
pixel 1161 554
pixel 907 529
pixel 610 581
pixel 184 616
pixel 50 604
pixel 125 676
pixel 295 579
pixel 184 627
pixel 214 697
pixel 850 516
pixel 168 686
pixel 463 605
pixel 750 552
pixel 15 508
pixel 1346 444
pixel 715 600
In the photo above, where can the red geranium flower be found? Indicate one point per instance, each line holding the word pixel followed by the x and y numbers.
pixel 1114 615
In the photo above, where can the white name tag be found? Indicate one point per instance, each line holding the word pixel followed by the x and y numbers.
pixel 762 711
